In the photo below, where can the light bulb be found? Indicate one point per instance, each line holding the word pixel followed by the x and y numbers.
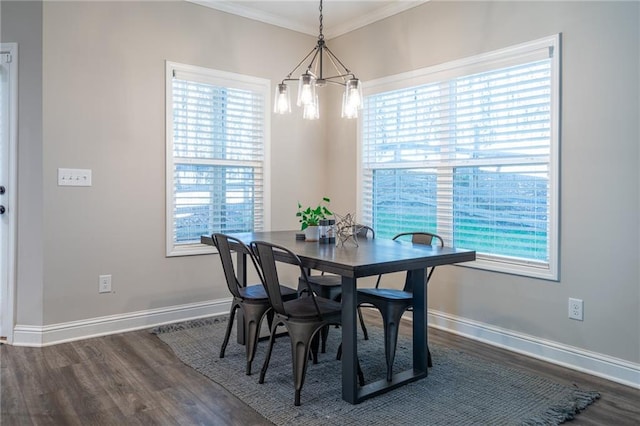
pixel 311 111
pixel 282 102
pixel 306 89
pixel 353 95
pixel 349 110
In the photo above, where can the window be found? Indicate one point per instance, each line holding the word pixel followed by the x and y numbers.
pixel 217 136
pixel 469 149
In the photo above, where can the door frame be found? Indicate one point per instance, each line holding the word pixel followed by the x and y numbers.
pixel 9 219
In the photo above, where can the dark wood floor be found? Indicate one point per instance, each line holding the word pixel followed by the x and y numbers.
pixel 133 378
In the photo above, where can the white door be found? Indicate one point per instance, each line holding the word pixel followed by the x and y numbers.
pixel 8 144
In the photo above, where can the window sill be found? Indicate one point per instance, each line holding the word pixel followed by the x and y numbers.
pixel 531 270
pixel 190 250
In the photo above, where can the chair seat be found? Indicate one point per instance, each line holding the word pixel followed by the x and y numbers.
pixel 304 309
pixel 257 293
pixel 384 294
pixel 327 286
pixel 326 280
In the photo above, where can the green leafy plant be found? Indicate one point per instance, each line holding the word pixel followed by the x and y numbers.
pixel 312 216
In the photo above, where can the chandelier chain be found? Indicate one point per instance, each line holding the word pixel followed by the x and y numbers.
pixel 321 36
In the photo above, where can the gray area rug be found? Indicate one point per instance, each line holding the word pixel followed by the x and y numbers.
pixel 460 389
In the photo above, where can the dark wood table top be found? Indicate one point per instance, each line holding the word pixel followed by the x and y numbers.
pixel 372 256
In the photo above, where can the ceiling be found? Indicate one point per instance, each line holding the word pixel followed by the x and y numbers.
pixel 339 16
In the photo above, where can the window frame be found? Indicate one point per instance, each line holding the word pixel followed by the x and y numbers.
pixel 224 79
pixel 505 57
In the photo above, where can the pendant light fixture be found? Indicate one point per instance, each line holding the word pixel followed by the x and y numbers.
pixel 314 77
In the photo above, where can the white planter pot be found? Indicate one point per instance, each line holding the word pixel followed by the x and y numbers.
pixel 311 233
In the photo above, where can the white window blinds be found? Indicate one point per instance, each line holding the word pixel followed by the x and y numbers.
pixel 471 156
pixel 217 151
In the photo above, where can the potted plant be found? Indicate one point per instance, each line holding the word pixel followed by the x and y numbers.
pixel 310 218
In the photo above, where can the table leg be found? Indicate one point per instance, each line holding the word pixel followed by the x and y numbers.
pixel 417 278
pixel 349 341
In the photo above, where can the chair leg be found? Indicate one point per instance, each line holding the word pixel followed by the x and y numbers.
pixel 315 343
pixel 252 321
pixel 364 328
pixel 270 315
pixel 429 362
pixel 360 373
pixel 302 338
pixel 300 352
pixel 391 320
pixel 324 333
pixel 232 315
pixel 265 365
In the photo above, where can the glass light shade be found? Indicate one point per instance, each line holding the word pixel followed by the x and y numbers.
pixel 348 110
pixel 311 111
pixel 353 93
pixel 306 89
pixel 282 99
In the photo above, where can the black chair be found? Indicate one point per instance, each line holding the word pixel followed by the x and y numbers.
pixel 392 303
pixel 252 300
pixel 303 317
pixel 330 287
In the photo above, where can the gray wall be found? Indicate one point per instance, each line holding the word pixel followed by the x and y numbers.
pixel 97 70
pixel 600 234
pixel 92 96
pixel 104 110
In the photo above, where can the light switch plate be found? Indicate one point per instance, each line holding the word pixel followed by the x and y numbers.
pixel 74 177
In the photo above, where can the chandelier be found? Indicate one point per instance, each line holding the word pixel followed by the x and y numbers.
pixel 314 77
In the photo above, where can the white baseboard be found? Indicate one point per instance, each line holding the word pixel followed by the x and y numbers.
pixel 610 368
pixel 37 336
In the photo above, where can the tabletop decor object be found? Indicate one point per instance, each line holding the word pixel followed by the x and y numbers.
pixel 327 229
pixel 346 229
pixel 310 218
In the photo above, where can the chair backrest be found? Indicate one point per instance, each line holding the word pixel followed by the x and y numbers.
pixel 365 231
pixel 421 238
pixel 267 254
pixel 221 241
pixel 426 238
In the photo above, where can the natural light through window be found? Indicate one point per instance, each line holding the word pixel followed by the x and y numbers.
pixel 469 150
pixel 217 131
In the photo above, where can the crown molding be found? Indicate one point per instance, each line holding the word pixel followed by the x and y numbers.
pixel 238 8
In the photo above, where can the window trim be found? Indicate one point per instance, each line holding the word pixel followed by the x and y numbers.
pixel 214 76
pixel 470 65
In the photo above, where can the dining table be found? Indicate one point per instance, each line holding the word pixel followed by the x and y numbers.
pixel 353 260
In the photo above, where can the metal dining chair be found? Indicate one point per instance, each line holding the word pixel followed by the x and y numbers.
pixel 252 300
pixel 303 317
pixel 329 286
pixel 392 303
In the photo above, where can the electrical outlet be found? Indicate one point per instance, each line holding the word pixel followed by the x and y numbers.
pixel 575 309
pixel 104 284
